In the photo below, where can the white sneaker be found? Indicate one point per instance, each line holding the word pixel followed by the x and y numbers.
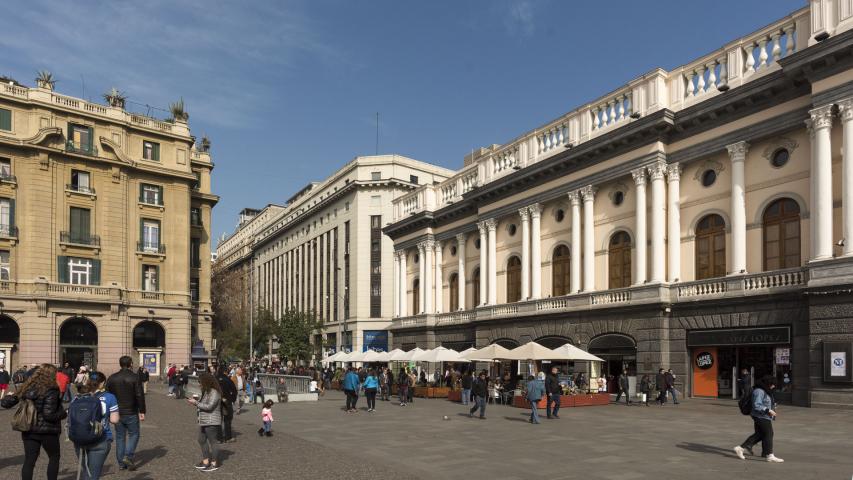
pixel 774 459
pixel 739 452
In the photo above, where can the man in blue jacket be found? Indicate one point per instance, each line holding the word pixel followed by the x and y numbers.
pixel 535 392
pixel 351 389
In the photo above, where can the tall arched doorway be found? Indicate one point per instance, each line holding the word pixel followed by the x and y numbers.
pixel 782 235
pixel 10 335
pixel 619 353
pixel 560 271
pixel 710 247
pixel 619 260
pixel 454 293
pixel 416 297
pixel 553 341
pixel 78 342
pixel 149 342
pixel 513 280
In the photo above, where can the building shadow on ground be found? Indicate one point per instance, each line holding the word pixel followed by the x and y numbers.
pixel 143 457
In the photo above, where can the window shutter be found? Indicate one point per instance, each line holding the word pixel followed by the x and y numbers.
pixel 95 277
pixel 5 119
pixel 160 195
pixel 12 216
pixel 91 139
pixel 155 152
pixel 156 279
pixel 62 269
pixel 142 282
pixel 141 195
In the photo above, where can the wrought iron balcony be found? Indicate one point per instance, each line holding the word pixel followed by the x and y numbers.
pixel 80 188
pixel 72 147
pixel 80 239
pixel 8 231
pixel 151 248
pixel 8 177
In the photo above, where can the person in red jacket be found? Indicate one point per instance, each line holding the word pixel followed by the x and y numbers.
pixel 62 380
pixel 170 375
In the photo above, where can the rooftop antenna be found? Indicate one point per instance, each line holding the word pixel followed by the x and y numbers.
pixel 377 133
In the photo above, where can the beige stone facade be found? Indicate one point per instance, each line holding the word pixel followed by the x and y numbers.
pixel 105 222
pixel 703 209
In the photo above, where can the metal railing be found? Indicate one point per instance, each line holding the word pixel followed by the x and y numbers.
pixel 157 248
pixel 78 239
pixel 72 147
pixel 293 383
pixel 8 177
pixel 9 231
pixel 79 188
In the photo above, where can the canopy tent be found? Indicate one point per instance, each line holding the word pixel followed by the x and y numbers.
pixel 571 352
pixel 408 356
pixel 467 351
pixel 386 356
pixel 439 354
pixel 487 354
pixel 533 351
pixel 369 356
pixel 334 358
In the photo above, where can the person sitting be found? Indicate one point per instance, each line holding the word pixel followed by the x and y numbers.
pixel 281 391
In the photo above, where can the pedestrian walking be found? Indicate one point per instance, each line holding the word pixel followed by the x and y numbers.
pixel 209 421
pixel 144 376
pixel 554 392
pixel 240 382
pixel 350 386
pixel 92 447
pixel 43 433
pixel 124 384
pixel 744 383
pixel 266 418
pixel 171 376
pixel 467 383
pixel 479 389
pixel 19 377
pixel 5 379
pixel 63 380
pixel 535 392
pixel 660 386
pixel 371 385
pixel 669 380
pixel 229 396
pixel 81 380
pixel 622 383
pixel 645 389
pixel 403 382
pixel 763 415
pixel 182 381
pixel 412 382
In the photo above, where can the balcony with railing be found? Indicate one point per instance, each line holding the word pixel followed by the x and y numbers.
pixel 8 231
pixel 81 148
pixel 150 248
pixel 79 239
pixel 7 177
pixel 76 188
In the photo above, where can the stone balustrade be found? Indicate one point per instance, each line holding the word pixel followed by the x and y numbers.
pixel 111 294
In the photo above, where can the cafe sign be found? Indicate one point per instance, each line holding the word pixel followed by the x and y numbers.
pixel 740 336
pixel 704 360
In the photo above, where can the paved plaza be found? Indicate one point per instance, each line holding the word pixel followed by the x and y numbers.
pixel 318 440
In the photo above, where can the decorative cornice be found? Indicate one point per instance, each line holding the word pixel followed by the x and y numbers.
pixel 821 117
pixel 116 148
pixel 737 151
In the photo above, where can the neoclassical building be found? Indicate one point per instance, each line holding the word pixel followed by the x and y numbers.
pixel 105 222
pixel 699 219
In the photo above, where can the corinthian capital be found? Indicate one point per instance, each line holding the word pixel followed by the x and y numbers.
pixel 821 117
pixel 657 170
pixel 524 213
pixel 588 193
pixel 535 210
pixel 481 226
pixel 491 224
pixel 737 151
pixel 673 172
pixel 460 239
pixel 575 197
pixel 845 109
pixel 639 176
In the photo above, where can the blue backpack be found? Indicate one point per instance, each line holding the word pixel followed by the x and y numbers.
pixel 85 420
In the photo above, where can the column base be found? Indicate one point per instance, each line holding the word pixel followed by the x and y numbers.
pixel 735 274
pixel 821 258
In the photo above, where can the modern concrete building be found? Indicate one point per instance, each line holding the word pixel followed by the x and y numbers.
pixel 699 218
pixel 104 233
pixel 324 251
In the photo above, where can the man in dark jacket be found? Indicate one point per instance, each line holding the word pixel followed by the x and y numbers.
pixel 480 388
pixel 125 385
pixel 669 380
pixel 554 391
pixel 623 387
pixel 229 396
pixel 182 381
pixel 660 386
pixel 467 383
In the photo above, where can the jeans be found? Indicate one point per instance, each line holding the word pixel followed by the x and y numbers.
pixel 352 399
pixel 66 396
pixel 180 391
pixel 227 418
pixel 94 460
pixel 479 402
pixel 671 391
pixel 172 387
pixel 534 411
pixel 127 426
pixel 207 441
pixel 267 426
pixel 33 442
pixel 370 393
pixel 555 398
pixel 466 396
pixel 763 433
pixel 403 392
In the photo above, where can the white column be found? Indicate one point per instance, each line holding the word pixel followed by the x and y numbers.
pixel 642 265
pixel 492 226
pixel 575 258
pixel 822 182
pixel 404 282
pixel 397 280
pixel 439 283
pixel 845 111
pixel 535 250
pixel 484 261
pixel 657 172
pixel 525 252
pixel 428 274
pixel 421 278
pixel 588 194
pixel 737 153
pixel 673 207
pixel 460 275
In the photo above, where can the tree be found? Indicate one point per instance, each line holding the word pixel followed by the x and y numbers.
pixel 294 334
pixel 230 301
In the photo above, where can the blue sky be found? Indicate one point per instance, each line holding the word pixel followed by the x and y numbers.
pixel 288 90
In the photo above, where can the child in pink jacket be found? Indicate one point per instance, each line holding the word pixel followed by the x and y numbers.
pixel 266 417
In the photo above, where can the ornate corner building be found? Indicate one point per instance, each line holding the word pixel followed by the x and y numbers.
pixel 105 222
pixel 699 219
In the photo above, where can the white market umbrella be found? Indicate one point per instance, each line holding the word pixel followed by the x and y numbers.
pixel 397 355
pixel 488 353
pixel 381 357
pixel 333 358
pixel 346 357
pixel 389 356
pixel 571 352
pixel 467 351
pixel 356 357
pixel 369 356
pixel 533 351
pixel 408 356
pixel 438 355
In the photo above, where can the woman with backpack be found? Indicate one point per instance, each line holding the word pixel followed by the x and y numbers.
pixel 763 414
pixel 43 428
pixel 92 453
pixel 209 421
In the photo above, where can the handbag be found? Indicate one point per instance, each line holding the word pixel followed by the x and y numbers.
pixel 25 415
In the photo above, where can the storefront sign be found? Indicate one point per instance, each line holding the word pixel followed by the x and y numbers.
pixel 375 340
pixel 149 362
pixel 837 364
pixel 783 356
pixel 704 360
pixel 740 336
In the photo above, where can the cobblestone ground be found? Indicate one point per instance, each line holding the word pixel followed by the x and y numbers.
pixel 318 440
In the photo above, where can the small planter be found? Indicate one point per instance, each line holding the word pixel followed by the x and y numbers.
pixel 455 395
pixel 521 402
pixel 591 399
pixel 567 401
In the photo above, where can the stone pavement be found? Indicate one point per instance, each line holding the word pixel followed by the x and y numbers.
pixel 318 440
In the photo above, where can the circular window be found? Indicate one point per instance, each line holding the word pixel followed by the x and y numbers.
pixel 559 215
pixel 708 178
pixel 780 158
pixel 417 258
pixel 511 229
pixel 618 198
pixel 477 244
pixel 453 250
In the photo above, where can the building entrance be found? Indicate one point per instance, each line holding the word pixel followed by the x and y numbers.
pixel 78 343
pixel 619 353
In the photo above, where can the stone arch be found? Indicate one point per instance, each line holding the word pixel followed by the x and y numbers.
pixel 605 244
pixel 759 213
pixel 505 342
pixel 553 341
pixel 691 229
pixel 78 342
pixel 10 331
pixel 148 334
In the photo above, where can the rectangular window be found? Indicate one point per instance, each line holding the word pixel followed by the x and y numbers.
pixel 79 225
pixel 150 278
pixel 375 266
pixel 151 194
pixel 413 179
pixel 5 119
pixel 194 289
pixel 150 236
pixel 80 181
pixel 5 168
pixel 5 268
pixel 195 256
pixel 195 216
pixel 80 271
pixel 376 175
pixel 151 150
pixel 80 139
pixel 197 184
pixel 6 216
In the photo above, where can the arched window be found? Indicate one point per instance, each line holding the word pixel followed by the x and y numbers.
pixel 475 288
pixel 513 279
pixel 560 271
pixel 619 260
pixel 416 296
pixel 782 235
pixel 454 292
pixel 710 247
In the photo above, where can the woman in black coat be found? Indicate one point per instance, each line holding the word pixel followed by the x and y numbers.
pixel 43 390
